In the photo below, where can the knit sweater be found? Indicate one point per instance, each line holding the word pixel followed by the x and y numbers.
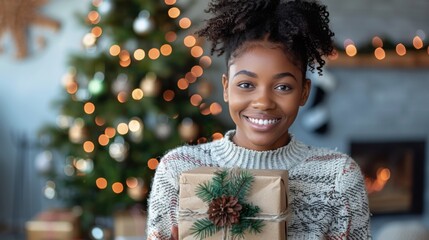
pixel 326 189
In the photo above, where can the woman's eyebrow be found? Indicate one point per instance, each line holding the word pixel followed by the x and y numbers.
pixel 284 74
pixel 247 73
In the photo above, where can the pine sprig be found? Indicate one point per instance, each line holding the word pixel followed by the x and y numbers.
pixel 235 183
pixel 204 228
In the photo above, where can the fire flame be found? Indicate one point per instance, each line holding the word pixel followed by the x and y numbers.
pixel 377 184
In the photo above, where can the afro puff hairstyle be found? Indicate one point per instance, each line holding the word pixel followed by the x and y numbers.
pixel 300 27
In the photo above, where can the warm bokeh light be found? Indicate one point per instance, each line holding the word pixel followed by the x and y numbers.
pixel 379 53
pixel 97 31
pixel 139 54
pixel 166 49
pixel 185 23
pixel 94 17
pixel 400 49
pixel 351 50
pixel 115 50
pixel 170 2
pixel 137 94
pixel 215 108
pixel 152 163
pixel 135 125
pixel 96 3
pixel 88 146
pixel 103 139
pixel 217 136
pixel 168 95
pixel 201 140
pixel 122 128
pixel 72 88
pixel 122 97
pixel 182 84
pixel 124 55
pixel 190 77
pixel 174 12
pixel 117 187
pixel 197 51
pixel 196 100
pixel 125 63
pixel 348 42
pixel 89 40
pixel 205 61
pixel 333 55
pixel 101 183
pixel 197 71
pixel 89 108
pixel 110 132
pixel 153 53
pixel 132 182
pixel 189 41
pixel 170 36
pixel 205 109
pixel 99 121
pixel 377 42
pixel 417 42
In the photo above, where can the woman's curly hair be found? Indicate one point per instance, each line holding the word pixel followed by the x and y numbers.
pixel 301 27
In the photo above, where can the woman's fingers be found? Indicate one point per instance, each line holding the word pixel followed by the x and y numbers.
pixel 174 233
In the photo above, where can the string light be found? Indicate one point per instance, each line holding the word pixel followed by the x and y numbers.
pixel 152 163
pixel 189 41
pixel 122 128
pixel 379 53
pixel 139 54
pixel 417 42
pixel 197 71
pixel 110 132
pixel 115 50
pixel 137 94
pixel 182 84
pixel 117 187
pixel 217 136
pixel 377 42
pixel 89 108
pixel 97 31
pixel 196 100
pixel 166 49
pixel 101 183
pixel 185 23
pixel 205 61
pixel 190 77
pixel 174 12
pixel 400 49
pixel 153 53
pixel 132 182
pixel 168 95
pixel 103 140
pixel 88 146
pixel 197 51
pixel 170 36
pixel 215 108
pixel 351 50
pixel 122 97
pixel 94 17
pixel 170 2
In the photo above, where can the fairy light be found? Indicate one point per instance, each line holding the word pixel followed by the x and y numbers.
pixel 97 31
pixel 377 42
pixel 72 88
pixel 170 2
pixel 205 61
pixel 333 55
pixel 197 71
pixel 215 108
pixel 88 146
pixel 196 100
pixel 101 183
pixel 197 51
pixel 189 41
pixel 124 55
pixel 170 36
pixel 117 187
pixel 351 50
pixel 132 182
pixel 103 139
pixel 99 121
pixel 204 109
pixel 110 132
pixel 122 128
pixel 400 49
pixel 166 49
pixel 182 84
pixel 417 42
pixel 168 95
pixel 89 40
pixel 217 136
pixel 174 12
pixel 139 54
pixel 190 77
pixel 122 97
pixel 152 163
pixel 94 17
pixel 89 108
pixel 379 53
pixel 153 53
pixel 137 94
pixel 185 23
pixel 135 125
pixel 115 50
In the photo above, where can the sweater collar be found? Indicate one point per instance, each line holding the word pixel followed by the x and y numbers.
pixel 231 155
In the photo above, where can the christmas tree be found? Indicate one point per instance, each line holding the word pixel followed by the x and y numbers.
pixel 135 91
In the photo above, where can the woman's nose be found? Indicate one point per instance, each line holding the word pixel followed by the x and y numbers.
pixel 263 100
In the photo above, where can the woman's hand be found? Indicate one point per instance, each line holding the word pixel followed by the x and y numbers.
pixel 174 233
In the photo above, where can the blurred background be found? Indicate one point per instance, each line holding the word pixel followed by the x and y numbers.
pixel 94 92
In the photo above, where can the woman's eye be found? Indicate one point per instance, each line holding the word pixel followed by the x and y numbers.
pixel 245 85
pixel 283 88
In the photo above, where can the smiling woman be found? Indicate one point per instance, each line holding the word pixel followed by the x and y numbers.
pixel 269 45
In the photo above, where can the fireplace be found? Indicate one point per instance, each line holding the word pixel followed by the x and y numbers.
pixel 394 174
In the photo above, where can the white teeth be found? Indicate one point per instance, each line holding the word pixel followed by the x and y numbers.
pixel 263 121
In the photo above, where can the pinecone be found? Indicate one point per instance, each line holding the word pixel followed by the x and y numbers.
pixel 224 211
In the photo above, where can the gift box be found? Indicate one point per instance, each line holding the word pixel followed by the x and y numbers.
pixel 268 191
pixel 130 224
pixel 53 224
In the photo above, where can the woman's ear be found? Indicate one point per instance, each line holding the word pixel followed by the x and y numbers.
pixel 225 84
pixel 305 91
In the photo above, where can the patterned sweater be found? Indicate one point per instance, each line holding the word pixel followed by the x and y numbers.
pixel 326 188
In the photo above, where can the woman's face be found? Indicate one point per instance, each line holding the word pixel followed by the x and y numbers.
pixel 264 91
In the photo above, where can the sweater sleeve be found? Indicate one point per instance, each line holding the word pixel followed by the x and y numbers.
pixel 352 221
pixel 163 204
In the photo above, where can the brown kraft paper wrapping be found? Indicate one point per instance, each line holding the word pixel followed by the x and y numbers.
pixel 269 192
